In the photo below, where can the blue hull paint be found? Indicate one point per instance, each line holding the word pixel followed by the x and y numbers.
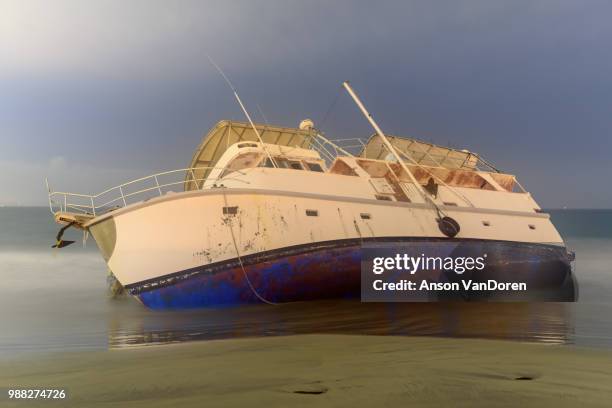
pixel 333 270
pixel 322 274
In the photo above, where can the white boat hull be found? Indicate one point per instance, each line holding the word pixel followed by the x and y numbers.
pixel 227 246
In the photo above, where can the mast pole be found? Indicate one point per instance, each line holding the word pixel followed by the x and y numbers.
pixel 386 142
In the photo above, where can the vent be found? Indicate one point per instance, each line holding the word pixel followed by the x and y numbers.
pixel 365 216
pixel 532 227
pixel 486 223
pixel 312 213
pixel 450 204
pixel 230 210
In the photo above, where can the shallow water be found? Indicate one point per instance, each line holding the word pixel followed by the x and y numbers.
pixel 56 300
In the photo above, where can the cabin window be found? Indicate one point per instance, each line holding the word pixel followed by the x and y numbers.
pixel 486 223
pixel 266 163
pixel 365 216
pixel 312 213
pixel 281 163
pixel 230 210
pixel 450 204
pixel 296 165
pixel 383 197
pixel 314 167
pixel 532 227
pixel 288 164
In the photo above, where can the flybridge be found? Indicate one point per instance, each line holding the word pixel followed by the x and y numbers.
pixel 226 132
pixel 419 161
pixel 444 165
pixel 398 169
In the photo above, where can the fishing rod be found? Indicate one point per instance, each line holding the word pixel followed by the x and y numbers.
pixel 246 113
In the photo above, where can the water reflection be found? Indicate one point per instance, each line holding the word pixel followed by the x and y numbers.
pixel 132 325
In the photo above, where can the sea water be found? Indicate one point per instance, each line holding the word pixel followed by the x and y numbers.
pixel 57 300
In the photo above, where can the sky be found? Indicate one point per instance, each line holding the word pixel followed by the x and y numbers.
pixel 93 94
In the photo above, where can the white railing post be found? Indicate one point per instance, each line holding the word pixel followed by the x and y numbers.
pixel 65 202
pixel 194 179
pixel 93 208
pixel 122 196
pixel 157 184
pixel 49 196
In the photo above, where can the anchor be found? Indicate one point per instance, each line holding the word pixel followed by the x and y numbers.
pixel 59 242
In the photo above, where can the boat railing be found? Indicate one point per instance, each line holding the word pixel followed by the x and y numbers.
pixel 137 190
pixel 353 145
pixel 329 150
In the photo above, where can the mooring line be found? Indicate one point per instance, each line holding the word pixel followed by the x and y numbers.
pixel 229 225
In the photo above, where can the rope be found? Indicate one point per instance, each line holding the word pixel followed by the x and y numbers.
pixel 229 225
pixel 262 114
pixel 331 107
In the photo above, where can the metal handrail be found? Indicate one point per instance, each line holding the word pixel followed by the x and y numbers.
pixel 329 149
pixel 60 201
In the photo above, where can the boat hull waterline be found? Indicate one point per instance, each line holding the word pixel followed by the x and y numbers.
pixel 333 270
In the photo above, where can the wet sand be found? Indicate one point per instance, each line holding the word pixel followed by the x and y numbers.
pixel 322 370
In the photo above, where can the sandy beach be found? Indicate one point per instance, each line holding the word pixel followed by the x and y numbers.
pixel 322 370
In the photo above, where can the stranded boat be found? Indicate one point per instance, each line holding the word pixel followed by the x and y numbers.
pixel 273 214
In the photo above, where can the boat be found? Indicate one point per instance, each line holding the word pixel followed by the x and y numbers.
pixel 270 214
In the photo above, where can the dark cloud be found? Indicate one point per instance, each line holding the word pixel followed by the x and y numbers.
pixel 116 85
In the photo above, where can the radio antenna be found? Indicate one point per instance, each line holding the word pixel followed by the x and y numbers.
pixel 246 113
